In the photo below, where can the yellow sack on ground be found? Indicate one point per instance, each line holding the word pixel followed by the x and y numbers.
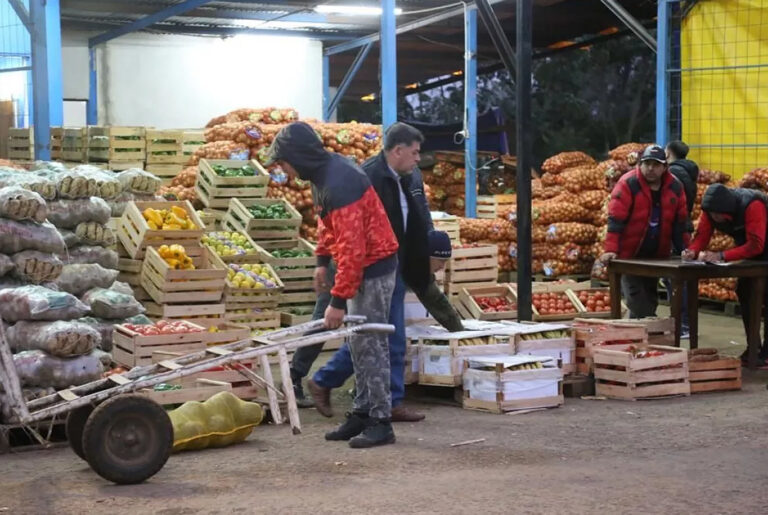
pixel 222 420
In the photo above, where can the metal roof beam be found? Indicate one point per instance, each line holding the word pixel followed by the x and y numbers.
pixel 405 27
pixel 147 21
pixel 22 13
pixel 632 23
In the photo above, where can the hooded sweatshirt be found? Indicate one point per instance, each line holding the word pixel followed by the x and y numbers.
pixel 747 223
pixel 353 227
pixel 687 172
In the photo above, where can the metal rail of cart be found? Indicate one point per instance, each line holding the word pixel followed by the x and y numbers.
pixel 128 438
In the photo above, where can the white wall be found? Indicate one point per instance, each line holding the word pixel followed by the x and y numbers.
pixel 183 81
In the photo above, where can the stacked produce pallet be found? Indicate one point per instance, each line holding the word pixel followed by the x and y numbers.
pixel 237 253
pixel 21 144
pixel 294 261
pixel 69 144
pixel 165 153
pixel 218 181
pixel 120 147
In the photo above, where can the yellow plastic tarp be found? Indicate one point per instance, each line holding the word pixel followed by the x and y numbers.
pixel 725 105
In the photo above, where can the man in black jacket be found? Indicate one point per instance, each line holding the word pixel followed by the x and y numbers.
pixel 397 180
pixel 687 172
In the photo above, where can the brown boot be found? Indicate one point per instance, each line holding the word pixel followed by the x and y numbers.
pixel 322 398
pixel 403 414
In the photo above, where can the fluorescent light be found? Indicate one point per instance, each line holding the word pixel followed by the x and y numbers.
pixel 359 10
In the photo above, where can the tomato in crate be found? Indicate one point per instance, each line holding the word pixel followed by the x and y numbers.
pixel 595 301
pixel 553 303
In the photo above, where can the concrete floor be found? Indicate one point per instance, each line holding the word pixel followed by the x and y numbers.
pixel 702 454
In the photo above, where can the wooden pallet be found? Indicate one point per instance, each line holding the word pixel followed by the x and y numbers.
pixel 619 375
pixel 467 299
pixel 166 285
pixel 21 144
pixel 714 373
pixel 135 235
pixel 69 144
pixel 239 216
pixel 492 206
pixel 132 349
pixel 591 335
pixel 117 144
pixel 165 147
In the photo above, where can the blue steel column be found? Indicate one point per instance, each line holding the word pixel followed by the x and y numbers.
pixel 470 111
pixel 48 108
pixel 93 92
pixel 388 64
pixel 662 65
pixel 326 86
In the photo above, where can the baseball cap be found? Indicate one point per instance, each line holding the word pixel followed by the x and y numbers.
pixel 654 153
pixel 439 244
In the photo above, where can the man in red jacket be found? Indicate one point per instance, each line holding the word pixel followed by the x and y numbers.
pixel 743 215
pixel 354 231
pixel 646 215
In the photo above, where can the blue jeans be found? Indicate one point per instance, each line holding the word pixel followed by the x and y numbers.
pixel 336 372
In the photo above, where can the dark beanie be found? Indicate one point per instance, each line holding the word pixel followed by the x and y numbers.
pixel 719 199
pixel 439 245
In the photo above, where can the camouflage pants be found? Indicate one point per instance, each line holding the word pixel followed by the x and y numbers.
pixel 370 352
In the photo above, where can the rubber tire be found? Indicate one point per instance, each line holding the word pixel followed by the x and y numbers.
pixel 75 426
pixel 107 435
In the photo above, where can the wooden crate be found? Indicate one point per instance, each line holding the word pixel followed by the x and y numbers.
pixel 69 144
pixel 239 216
pixel 166 285
pixel 620 375
pixel 502 390
pixel 290 319
pixel 203 315
pixel 471 267
pixel 165 147
pixel 215 191
pixel 119 166
pixel 131 349
pixel 226 333
pixel 198 389
pixel 255 257
pixel 411 363
pixel 21 144
pixel 467 299
pixel 448 224
pixel 492 206
pixel 562 349
pixel 443 365
pixel 267 298
pixel 713 373
pixel 660 331
pixel 193 139
pixel 165 172
pixel 574 292
pixel 211 217
pixel 540 317
pixel 591 335
pixel 254 318
pixel 135 235
pixel 112 143
pixel 296 274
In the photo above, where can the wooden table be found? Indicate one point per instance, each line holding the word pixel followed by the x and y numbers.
pixel 682 273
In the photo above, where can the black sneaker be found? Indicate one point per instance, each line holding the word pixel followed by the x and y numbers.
pixel 302 401
pixel 353 426
pixel 376 432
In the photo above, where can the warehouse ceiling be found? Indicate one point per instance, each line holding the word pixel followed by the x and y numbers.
pixel 431 51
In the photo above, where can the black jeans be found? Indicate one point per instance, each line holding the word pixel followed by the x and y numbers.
pixel 641 295
pixel 742 292
pixel 304 357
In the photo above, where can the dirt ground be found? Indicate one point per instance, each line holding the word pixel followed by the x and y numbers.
pixel 703 454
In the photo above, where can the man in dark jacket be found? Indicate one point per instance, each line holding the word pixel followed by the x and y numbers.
pixel 743 215
pixel 646 217
pixel 687 172
pixel 398 183
pixel 350 231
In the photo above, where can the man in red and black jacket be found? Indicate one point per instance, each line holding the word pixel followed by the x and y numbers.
pixel 354 231
pixel 743 215
pixel 647 214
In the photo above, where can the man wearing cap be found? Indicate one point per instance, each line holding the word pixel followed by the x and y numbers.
pixel 350 230
pixel 647 215
pixel 743 215
pixel 397 180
